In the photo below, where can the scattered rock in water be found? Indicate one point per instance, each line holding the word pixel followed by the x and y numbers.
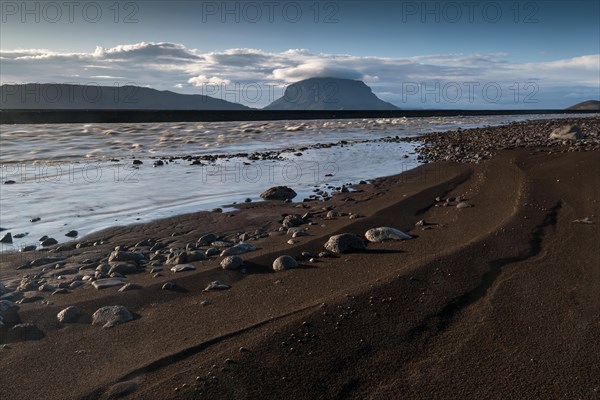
pixel 36 219
pixel 238 249
pixel 216 285
pixel 68 314
pixel 278 193
pixel 48 242
pixel 21 235
pixel 232 262
pixel 111 316
pixel 130 286
pixel 291 221
pixel 283 263
pixel 345 243
pixel 183 267
pixel 464 204
pixel 108 282
pixel 137 162
pixel 385 233
pixel 567 132
pixel 158 163
pixel 207 240
pixel 6 238
pixel 72 234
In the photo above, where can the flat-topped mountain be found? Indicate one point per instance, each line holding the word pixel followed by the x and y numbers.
pixel 81 97
pixel 329 94
pixel 586 105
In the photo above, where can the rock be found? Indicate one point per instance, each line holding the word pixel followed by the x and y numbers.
pixel 278 193
pixel 385 233
pixel 72 234
pixel 121 389
pixel 122 268
pixel 195 255
pixel 9 313
pixel 69 314
pixel 232 262
pixel 292 231
pixel 212 252
pixel 23 332
pixel 291 221
pixel 464 204
pixel 130 286
pixel 207 240
pixel 283 263
pixel 216 285
pixel 111 316
pixel 6 238
pixel 344 243
pixel 567 132
pixel 124 256
pixel 183 267
pixel 239 248
pixel 49 242
pixel 108 282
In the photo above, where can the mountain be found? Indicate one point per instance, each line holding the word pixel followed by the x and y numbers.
pixel 586 105
pixel 329 94
pixel 77 97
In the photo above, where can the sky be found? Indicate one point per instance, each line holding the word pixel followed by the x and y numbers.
pixel 503 54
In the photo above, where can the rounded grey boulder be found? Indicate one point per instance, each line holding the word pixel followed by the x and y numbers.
pixel 111 316
pixel 283 263
pixel 232 262
pixel 69 314
pixel 345 243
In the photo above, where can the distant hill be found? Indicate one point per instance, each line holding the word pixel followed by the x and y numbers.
pixel 586 105
pixel 78 97
pixel 329 94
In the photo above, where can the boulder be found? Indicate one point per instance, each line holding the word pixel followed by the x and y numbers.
pixel 283 263
pixel 278 193
pixel 232 262
pixel 345 243
pixel 291 221
pixel 385 233
pixel 110 316
pixel 567 132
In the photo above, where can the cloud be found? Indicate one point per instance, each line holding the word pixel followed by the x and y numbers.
pixel 164 65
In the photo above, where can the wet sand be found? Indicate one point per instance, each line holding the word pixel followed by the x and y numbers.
pixel 499 300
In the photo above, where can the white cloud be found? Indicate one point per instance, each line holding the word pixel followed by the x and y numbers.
pixel 166 65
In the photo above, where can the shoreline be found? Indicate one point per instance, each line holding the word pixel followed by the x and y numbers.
pixel 467 299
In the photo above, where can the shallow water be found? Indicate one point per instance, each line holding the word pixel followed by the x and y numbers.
pixel 81 177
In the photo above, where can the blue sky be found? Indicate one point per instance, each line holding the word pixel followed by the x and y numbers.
pixel 425 54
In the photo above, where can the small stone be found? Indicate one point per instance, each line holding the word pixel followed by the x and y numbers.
pixel 283 263
pixel 183 267
pixel 130 286
pixel 232 262
pixel 464 204
pixel 68 314
pixel 216 285
pixel 111 316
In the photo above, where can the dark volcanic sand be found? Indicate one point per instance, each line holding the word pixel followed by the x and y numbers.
pixel 495 301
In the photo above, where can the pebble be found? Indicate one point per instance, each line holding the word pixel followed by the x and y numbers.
pixel 216 285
